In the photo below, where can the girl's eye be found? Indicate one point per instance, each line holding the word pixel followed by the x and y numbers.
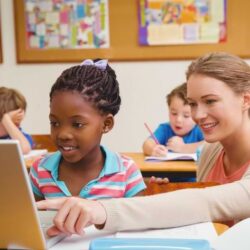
pixel 186 116
pixel 174 114
pixel 54 124
pixel 77 125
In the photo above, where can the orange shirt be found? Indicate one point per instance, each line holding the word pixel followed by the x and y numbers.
pixel 217 173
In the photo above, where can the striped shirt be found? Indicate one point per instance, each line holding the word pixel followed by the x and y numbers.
pixel 120 177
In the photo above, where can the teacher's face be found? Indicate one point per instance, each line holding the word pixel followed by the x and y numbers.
pixel 215 108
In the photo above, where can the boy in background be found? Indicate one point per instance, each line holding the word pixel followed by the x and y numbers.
pixel 180 134
pixel 12 110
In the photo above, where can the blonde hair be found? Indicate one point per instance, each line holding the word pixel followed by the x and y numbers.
pixel 180 91
pixel 11 99
pixel 225 67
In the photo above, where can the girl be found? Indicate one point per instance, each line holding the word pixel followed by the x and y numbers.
pixel 83 103
pixel 218 90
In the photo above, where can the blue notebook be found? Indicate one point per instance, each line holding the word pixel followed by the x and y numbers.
pixel 148 243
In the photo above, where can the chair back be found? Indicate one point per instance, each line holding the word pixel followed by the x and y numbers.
pixel 43 141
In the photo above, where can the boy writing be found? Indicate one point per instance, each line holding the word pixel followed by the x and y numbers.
pixel 180 134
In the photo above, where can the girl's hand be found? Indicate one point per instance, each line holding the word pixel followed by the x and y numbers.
pixel 176 144
pixel 159 150
pixel 74 214
pixel 158 180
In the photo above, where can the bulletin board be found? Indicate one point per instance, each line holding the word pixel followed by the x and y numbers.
pixel 124 44
pixel 1 51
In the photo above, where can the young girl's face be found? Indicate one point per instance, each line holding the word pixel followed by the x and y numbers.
pixel 215 108
pixel 76 126
pixel 180 116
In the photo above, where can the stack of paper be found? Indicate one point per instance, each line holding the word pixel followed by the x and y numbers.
pixel 196 231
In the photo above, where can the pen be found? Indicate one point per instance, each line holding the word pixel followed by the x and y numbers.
pixel 151 133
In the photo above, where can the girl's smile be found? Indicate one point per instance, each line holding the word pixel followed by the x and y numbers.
pixel 76 126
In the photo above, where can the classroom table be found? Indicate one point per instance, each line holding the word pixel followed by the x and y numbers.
pixel 170 169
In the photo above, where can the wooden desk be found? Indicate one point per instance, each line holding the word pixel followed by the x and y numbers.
pixel 43 141
pixel 154 188
pixel 220 228
pixel 163 168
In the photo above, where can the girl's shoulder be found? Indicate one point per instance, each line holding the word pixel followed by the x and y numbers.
pixel 47 161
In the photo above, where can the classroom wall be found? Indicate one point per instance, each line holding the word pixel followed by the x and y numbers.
pixel 143 87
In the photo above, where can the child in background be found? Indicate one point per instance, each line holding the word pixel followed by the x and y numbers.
pixel 180 134
pixel 12 110
pixel 83 103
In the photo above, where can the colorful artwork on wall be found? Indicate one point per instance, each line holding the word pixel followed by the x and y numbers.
pixel 69 24
pixel 165 22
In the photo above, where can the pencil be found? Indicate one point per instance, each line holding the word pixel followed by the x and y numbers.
pixel 151 133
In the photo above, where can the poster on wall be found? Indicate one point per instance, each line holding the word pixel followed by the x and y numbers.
pixel 66 24
pixel 1 52
pixel 169 22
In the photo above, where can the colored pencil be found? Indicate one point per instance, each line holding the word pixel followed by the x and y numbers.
pixel 151 133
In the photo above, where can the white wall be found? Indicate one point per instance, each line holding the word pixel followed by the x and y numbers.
pixel 143 87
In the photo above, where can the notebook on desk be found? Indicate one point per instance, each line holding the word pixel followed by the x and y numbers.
pixel 171 156
pixel 21 226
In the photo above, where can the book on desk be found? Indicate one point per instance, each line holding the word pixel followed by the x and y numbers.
pixel 171 156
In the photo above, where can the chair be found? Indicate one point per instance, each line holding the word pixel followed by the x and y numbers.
pixel 43 141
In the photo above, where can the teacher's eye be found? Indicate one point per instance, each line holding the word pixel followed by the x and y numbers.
pixel 210 101
pixel 192 104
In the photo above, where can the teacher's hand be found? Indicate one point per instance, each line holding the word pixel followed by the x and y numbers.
pixel 74 214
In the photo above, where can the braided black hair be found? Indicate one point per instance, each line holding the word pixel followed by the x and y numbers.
pixel 97 86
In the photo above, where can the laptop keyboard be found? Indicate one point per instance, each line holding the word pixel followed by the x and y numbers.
pixel 46 221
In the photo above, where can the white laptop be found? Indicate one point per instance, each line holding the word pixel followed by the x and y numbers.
pixel 20 225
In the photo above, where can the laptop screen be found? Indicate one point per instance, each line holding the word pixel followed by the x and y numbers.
pixel 20 225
